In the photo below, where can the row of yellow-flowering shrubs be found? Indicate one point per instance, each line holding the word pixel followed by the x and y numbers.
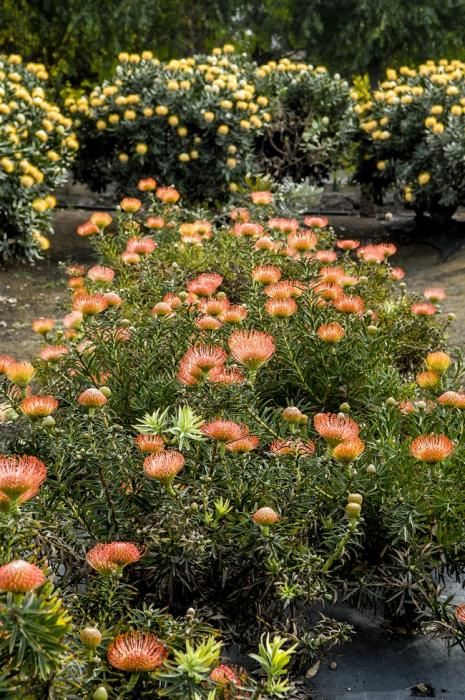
pixel 232 426
pixel 202 123
pixel 36 147
pixel 411 136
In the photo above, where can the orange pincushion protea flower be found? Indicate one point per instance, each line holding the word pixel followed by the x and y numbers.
pixel 205 285
pixel 90 304
pixel 168 195
pixel 101 274
pixel 282 225
pixel 112 557
pixel 428 379
pixel 266 243
pixel 136 652
pixel 301 241
pixel 20 478
pixel 147 184
pixel 423 308
pixel 88 228
pixel 150 443
pixel 240 214
pixel 162 308
pixel 434 294
pixel 247 230
pixel 349 304
pixel 213 307
pixel 460 613
pixel 226 376
pixel 348 450
pixel 284 289
pixel 114 300
pixel 224 430
pixel 20 577
pixel 208 323
pixel 130 204
pixel 438 362
pixel 155 222
pixel 243 445
pixel 53 353
pixel 164 466
pixel 19 373
pixel 101 219
pixel 452 399
pixel 335 428
pixel 265 516
pixel 431 448
pixel 92 398
pixel 266 274
pixel 326 256
pixel 141 246
pixel 235 313
pixel 331 332
pixel 38 406
pixel 261 198
pixel 251 348
pixel 43 325
pixel 129 258
pixel 197 362
pixel 332 274
pixel 347 244
pixel 316 221
pixel 284 448
pixel 280 308
pixel 397 274
pixel 223 676
pixel 5 361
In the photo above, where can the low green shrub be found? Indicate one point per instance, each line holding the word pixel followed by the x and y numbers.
pixel 37 146
pixel 245 421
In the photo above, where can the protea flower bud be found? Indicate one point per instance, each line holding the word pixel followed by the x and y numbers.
pixel 91 637
pixel 292 414
pixel 265 516
pixel 20 577
pixel 355 498
pixel 100 693
pixel 92 398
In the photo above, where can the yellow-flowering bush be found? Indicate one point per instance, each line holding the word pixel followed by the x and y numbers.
pixel 311 112
pixel 36 147
pixel 191 122
pixel 411 136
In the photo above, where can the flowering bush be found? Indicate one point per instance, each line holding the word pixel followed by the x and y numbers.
pixel 190 122
pixel 411 136
pixel 36 147
pixel 242 420
pixel 311 115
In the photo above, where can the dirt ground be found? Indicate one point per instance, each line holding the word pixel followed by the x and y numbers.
pixel 29 292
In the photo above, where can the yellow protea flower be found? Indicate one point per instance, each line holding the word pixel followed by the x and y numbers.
pixel 101 124
pixel 26 181
pixel 141 148
pixel 194 154
pixel 161 110
pixel 123 157
pixel 209 116
pixel 41 240
pixel 39 205
pixel 182 131
pixel 381 165
pixel 184 157
pixel 223 129
pixel 424 178
pixel 438 128
pixel 173 120
pixel 7 165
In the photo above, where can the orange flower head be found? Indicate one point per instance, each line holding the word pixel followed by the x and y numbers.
pixel 372 254
pixel 287 448
pixel 261 198
pixel 348 450
pixel 224 430
pixel 136 652
pixel 208 323
pixel 326 256
pixel 266 274
pixel 251 348
pixel 150 443
pixel 247 230
pixel 38 406
pixel 130 205
pixel 147 184
pixel 265 516
pixel 87 229
pixel 438 362
pixel 284 289
pixel 434 294
pixel 226 376
pixel 20 373
pixel 240 214
pixel 331 332
pixel 243 445
pixel 428 379
pixel 6 361
pixel 349 304
pixel 397 274
pixel 452 399
pixel 197 362
pixel 101 219
pixel 347 244
pixel 224 675
pixel 431 448
pixel 162 308
pixel 213 307
pixel 53 353
pixel 155 223
pixel 114 300
pixel 302 241
pixel 173 300
pixel 129 258
pixel 90 304
pixel 235 313
pixel 316 221
pixel 141 246
pixel 281 308
pixel 164 466
pixel 20 479
pixel 205 285
pixel 282 225
pixel 92 398
pixel 168 195
pixel 112 557
pixel 266 243
pixel 43 325
pixel 20 577
pixel 101 274
pixel 423 308
pixel 460 613
pixel 335 428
